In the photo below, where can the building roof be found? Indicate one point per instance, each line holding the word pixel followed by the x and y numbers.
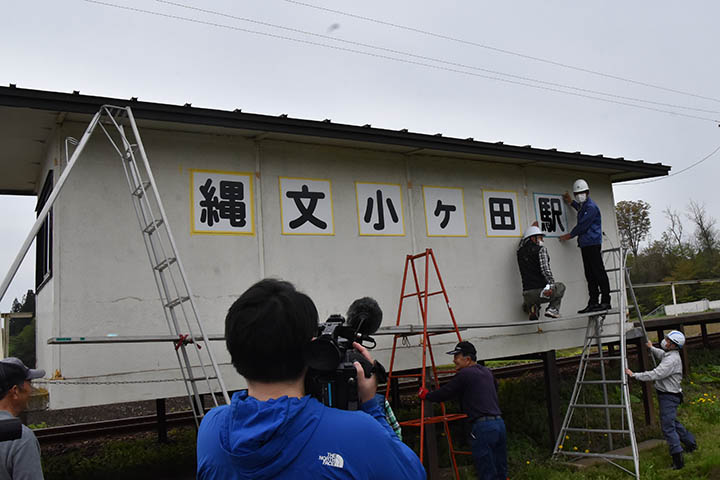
pixel 28 117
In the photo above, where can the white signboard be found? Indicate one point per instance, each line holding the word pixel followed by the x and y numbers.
pixel 551 214
pixel 306 206
pixel 501 213
pixel 444 212
pixel 221 203
pixel 380 209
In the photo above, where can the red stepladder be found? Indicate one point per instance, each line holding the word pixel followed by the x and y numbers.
pixel 423 295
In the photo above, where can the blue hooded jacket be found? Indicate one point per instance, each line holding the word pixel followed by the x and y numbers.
pixel 300 438
pixel 589 224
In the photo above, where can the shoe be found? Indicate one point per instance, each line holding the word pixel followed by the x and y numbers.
pixel 600 307
pixel 690 448
pixel 534 310
pixel 590 308
pixel 678 461
pixel 552 313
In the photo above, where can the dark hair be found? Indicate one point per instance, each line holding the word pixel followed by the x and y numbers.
pixel 10 375
pixel 473 356
pixel 268 330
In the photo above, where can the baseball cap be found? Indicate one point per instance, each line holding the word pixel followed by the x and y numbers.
pixel 13 367
pixel 466 348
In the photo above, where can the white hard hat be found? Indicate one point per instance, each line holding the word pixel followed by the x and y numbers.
pixel 580 185
pixel 533 230
pixel 677 338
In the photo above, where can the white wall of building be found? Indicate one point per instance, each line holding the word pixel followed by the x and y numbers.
pixel 102 282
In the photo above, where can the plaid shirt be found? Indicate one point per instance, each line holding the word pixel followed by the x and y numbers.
pixel 392 421
pixel 545 265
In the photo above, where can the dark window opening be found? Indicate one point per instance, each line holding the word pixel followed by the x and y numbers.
pixel 43 240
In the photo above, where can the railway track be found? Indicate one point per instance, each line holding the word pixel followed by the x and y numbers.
pixel 85 431
pixel 92 430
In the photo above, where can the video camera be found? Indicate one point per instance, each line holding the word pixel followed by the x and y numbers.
pixel 332 377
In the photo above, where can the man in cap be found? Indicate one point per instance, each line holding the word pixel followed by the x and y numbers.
pixel 537 280
pixel 20 458
pixel 476 388
pixel 668 377
pixel 589 234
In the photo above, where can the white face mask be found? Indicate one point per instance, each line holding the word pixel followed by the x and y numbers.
pixel 664 344
pixel 581 197
pixel 540 242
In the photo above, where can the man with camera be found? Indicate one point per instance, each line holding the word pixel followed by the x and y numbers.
pixel 19 457
pixel 273 429
pixel 476 388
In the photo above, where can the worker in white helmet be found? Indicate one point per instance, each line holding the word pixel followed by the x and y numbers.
pixel 668 378
pixel 589 234
pixel 538 283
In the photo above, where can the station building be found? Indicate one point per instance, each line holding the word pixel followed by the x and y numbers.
pixel 332 208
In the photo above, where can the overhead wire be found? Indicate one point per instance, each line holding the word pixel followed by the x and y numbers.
pixel 501 50
pixel 675 173
pixel 424 57
pixel 396 59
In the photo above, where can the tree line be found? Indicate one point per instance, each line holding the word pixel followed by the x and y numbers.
pixel 688 249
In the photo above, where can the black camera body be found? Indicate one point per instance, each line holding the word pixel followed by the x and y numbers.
pixel 332 377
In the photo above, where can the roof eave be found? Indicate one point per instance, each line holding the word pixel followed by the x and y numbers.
pixel 76 103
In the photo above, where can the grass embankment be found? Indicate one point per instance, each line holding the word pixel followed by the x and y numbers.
pixel 138 458
pixel 523 404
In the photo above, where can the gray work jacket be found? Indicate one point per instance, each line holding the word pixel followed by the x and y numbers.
pixel 668 375
pixel 20 459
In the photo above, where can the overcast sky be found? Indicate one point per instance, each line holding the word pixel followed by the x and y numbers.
pixel 66 45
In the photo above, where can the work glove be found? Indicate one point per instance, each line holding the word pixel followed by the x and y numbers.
pixel 422 393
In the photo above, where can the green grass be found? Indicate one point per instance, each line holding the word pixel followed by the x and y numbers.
pixel 700 413
pixel 138 459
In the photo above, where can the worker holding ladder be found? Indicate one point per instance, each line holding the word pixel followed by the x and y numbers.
pixel 668 377
pixel 476 388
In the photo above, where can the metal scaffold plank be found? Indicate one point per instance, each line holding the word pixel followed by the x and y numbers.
pixel 130 339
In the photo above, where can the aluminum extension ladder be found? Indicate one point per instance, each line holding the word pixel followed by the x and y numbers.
pixel 199 369
pixel 566 443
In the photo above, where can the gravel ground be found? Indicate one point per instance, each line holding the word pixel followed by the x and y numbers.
pixel 71 416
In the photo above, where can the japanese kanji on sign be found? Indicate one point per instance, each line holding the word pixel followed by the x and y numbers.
pixel 221 203
pixel 444 212
pixel 501 213
pixel 306 206
pixel 551 214
pixel 380 209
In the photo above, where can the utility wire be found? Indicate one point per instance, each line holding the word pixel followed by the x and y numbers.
pixel 676 173
pixel 395 59
pixel 501 50
pixel 432 59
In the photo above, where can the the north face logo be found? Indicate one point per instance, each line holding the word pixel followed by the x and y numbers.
pixel 332 460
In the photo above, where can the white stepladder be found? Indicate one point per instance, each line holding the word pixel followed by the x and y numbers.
pixel 199 370
pixel 618 419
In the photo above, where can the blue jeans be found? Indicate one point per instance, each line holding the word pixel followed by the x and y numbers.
pixel 489 451
pixel 674 431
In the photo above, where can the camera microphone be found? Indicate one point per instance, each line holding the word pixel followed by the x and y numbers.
pixel 332 377
pixel 364 316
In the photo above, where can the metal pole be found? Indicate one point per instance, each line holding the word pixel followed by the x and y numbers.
pixel 48 205
pixel 672 286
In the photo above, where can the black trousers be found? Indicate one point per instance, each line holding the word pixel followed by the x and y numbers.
pixel 597 279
